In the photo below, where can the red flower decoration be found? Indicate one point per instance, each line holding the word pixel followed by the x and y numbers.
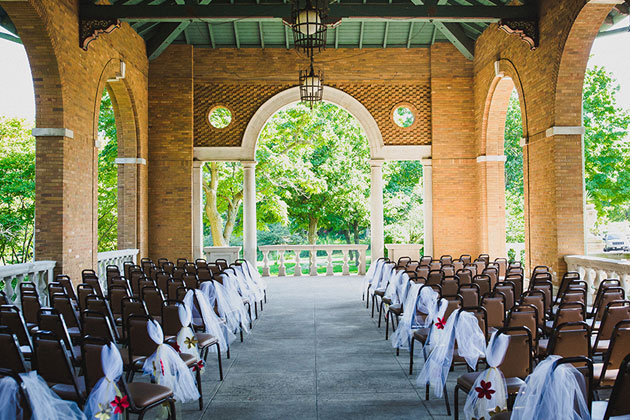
pixel 440 323
pixel 198 366
pixel 162 367
pixel 485 390
pixel 176 347
pixel 120 404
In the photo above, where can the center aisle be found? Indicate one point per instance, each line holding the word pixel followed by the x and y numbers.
pixel 315 353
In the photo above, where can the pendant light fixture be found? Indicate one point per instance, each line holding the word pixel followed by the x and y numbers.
pixel 309 29
pixel 311 85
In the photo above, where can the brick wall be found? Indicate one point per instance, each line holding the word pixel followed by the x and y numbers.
pixel 171 153
pixel 549 80
pixel 68 87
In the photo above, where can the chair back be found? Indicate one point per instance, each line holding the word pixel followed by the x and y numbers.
pixel 116 295
pixel 619 403
pixel 181 262
pixel 204 274
pixel 446 260
pixel 30 307
pixel 611 294
pixel 140 343
pixel 453 304
pixel 11 317
pixel 517 279
pixel 502 263
pixel 493 273
pixel 466 259
pixel 402 262
pixel 571 339
pixel 484 283
pixel 449 270
pixel 97 324
pixel 482 317
pixel 51 320
pixel 470 294
pixel 458 265
pixel 518 361
pixel 524 316
pixel 616 311
pixel 619 347
pixel 170 317
pixel 435 277
pixel 12 357
pixel 135 274
pixel 190 280
pixel 485 258
pixel 67 284
pixel 53 363
pixel 153 299
pixel 465 276
pixel 131 306
pixel 535 298
pixel 494 305
pixel 83 291
pixel 64 306
pixel 570 312
pixel 450 286
pixel 426 260
pixel 508 290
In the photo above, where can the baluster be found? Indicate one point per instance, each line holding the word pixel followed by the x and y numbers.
pixel 329 267
pixel 281 268
pixel 313 265
pixel 362 261
pixel 625 282
pixel 298 264
pixel 265 263
pixel 346 266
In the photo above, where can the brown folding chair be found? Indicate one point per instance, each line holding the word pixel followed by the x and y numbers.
pixel 484 283
pixel 161 279
pixel 51 320
pixel 509 291
pixel 142 346
pixel 494 304
pixel 450 286
pixel 570 339
pixel 525 315
pixel 30 308
pixel 611 294
pixel 67 284
pixel 131 306
pixel 53 364
pixel 141 396
pixel 616 311
pixel 12 357
pixel 190 280
pixel 466 259
pixel 153 299
pixel 605 373
pixel 618 404
pixel 516 366
pixel 465 276
pixel 11 317
pixel 567 312
pixel 470 294
pixel 425 260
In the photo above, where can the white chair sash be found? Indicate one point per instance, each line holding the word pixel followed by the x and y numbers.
pixel 105 398
pixel 167 367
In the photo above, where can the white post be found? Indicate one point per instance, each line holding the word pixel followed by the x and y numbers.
pixel 197 224
pixel 249 211
pixel 427 200
pixel 376 209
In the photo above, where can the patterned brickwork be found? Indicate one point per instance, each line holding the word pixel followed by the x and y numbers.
pixel 243 100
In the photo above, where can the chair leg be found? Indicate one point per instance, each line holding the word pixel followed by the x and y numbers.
pixel 199 389
pixel 380 313
pixel 397 351
pixel 411 345
pixel 448 405
pixel 456 402
pixel 220 362
pixel 228 353
pixel 265 296
pixel 256 309
pixel 141 415
pixel 373 303
pixel 241 336
pixel 171 405
pixel 388 317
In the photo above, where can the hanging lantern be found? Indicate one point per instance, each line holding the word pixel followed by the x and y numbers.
pixel 309 29
pixel 311 85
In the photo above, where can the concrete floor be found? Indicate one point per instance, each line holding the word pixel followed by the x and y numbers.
pixel 315 353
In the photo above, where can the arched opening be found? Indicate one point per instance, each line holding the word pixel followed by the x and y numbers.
pixel 17 153
pixel 502 184
pixel 107 145
pixel 312 184
pixel 593 95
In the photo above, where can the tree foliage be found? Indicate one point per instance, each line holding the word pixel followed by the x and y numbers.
pixel 514 194
pixel 606 145
pixel 17 190
pixel 107 178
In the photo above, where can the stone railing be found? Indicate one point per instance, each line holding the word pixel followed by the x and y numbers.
pixel 296 250
pixel 116 258
pixel 38 272
pixel 594 269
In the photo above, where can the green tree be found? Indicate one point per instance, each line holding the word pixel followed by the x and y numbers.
pixel 514 193
pixel 402 202
pixel 606 145
pixel 107 177
pixel 17 190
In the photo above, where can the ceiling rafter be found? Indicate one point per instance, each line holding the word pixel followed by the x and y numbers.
pixel 454 33
pixel 165 35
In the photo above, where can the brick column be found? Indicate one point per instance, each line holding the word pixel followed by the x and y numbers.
pixel 492 184
pixel 376 209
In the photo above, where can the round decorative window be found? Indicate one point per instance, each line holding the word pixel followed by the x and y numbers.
pixel 404 115
pixel 219 117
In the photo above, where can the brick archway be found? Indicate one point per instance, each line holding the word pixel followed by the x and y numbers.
pixel 112 79
pixel 492 160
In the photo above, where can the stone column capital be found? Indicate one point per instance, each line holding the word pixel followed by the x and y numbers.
pixel 197 164
pixel 376 163
pixel 428 162
pixel 248 164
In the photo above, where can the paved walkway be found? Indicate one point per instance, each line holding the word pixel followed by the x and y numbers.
pixel 315 353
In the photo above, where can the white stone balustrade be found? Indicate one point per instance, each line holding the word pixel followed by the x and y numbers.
pixel 38 272
pixel 594 269
pixel 281 256
pixel 116 258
